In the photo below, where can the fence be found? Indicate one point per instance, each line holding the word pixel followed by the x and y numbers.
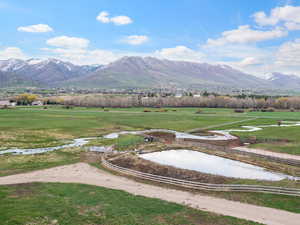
pixel 212 147
pixel 202 186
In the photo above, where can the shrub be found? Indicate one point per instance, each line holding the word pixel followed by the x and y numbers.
pixel 67 107
pixel 239 111
pixel 253 110
pixel 199 111
pixel 163 110
pixel 268 110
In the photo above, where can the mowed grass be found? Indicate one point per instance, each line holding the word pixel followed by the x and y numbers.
pixel 33 127
pixel 13 164
pixel 124 142
pixel 278 139
pixel 79 204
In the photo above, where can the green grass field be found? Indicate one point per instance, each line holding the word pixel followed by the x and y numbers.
pixel 34 127
pixel 31 127
pixel 77 204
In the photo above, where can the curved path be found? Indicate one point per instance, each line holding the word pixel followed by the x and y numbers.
pixel 268 153
pixel 86 174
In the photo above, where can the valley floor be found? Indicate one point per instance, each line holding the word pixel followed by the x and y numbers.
pixel 35 127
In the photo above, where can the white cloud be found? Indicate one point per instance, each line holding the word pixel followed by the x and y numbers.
pixel 84 56
pixel 286 13
pixel 135 39
pixel 12 52
pixel 38 28
pixel 181 53
pixel 103 17
pixel 68 42
pixel 292 26
pixel 121 20
pixel 250 61
pixel 244 34
pixel 262 19
pixel 289 54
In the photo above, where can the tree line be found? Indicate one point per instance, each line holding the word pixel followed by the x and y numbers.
pixel 186 101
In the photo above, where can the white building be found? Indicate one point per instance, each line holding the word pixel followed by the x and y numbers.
pixel 37 103
pixel 4 103
pixel 7 103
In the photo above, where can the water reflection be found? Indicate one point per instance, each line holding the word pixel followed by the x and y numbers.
pixel 211 164
pixel 16 151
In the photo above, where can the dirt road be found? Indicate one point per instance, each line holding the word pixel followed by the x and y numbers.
pixel 268 153
pixel 86 174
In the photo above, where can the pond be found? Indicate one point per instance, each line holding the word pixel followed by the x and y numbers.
pixel 211 164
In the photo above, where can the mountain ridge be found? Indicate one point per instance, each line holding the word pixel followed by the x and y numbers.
pixel 134 72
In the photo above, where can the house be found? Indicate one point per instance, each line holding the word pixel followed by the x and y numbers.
pixel 178 95
pixel 37 103
pixel 6 103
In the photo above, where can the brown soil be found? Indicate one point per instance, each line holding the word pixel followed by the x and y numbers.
pixel 90 157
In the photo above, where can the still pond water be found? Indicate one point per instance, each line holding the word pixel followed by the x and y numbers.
pixel 211 164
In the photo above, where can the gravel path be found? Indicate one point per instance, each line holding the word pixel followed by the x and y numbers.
pixel 268 153
pixel 86 174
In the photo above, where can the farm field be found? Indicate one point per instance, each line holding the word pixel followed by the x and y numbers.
pixel 35 127
pixel 32 127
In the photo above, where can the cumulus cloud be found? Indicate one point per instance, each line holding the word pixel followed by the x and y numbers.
pixel 244 34
pixel 289 54
pixel 181 53
pixel 68 42
pixel 103 17
pixel 84 56
pixel 135 39
pixel 287 14
pixel 12 52
pixel 38 28
pixel 292 26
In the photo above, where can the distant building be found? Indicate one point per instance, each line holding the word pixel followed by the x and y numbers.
pixel 6 103
pixel 37 103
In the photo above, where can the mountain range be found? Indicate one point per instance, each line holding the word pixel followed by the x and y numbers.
pixel 135 72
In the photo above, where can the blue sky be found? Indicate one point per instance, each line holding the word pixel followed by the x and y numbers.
pixel 252 35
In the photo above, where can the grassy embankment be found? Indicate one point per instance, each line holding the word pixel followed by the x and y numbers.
pixel 78 204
